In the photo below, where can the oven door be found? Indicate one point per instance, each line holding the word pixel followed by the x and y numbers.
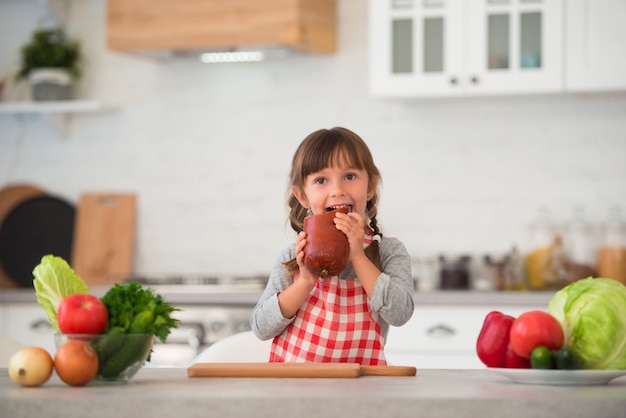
pixel 199 327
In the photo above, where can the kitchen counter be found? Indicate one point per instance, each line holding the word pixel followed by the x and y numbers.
pixel 431 393
pixel 194 295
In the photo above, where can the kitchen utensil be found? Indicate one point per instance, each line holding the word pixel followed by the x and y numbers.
pixel 36 227
pixel 326 370
pixel 11 196
pixel 104 239
pixel 388 370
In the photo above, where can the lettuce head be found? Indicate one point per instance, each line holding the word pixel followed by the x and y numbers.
pixel 54 281
pixel 592 312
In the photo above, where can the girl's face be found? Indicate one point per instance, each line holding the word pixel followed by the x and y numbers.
pixel 335 186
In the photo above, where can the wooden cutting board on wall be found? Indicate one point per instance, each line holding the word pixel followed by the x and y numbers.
pixel 10 197
pixel 103 249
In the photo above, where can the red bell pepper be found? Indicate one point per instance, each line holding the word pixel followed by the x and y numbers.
pixel 493 346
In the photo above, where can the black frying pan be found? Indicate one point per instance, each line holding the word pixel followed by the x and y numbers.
pixel 36 227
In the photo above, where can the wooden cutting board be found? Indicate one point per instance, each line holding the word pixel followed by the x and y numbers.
pixel 104 237
pixel 326 370
pixel 10 197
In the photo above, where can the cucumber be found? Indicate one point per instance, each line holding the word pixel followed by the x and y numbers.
pixel 109 343
pixel 133 349
pixel 567 360
pixel 141 322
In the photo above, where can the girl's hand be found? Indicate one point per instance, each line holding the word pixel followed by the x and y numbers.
pixel 353 225
pixel 304 272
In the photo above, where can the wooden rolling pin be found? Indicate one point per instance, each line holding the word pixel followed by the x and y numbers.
pixel 325 370
pixel 388 370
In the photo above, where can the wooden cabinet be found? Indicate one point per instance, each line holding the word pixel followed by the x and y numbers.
pixel 595 32
pixel 465 47
pixel 443 336
pixel 307 25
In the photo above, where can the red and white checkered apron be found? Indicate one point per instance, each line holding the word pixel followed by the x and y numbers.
pixel 334 325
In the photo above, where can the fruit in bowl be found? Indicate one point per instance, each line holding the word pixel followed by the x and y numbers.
pixel 115 331
pixel 119 356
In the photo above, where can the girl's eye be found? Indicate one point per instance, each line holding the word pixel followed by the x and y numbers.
pixel 320 180
pixel 350 176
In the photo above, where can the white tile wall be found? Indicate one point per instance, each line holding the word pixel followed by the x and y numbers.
pixel 208 148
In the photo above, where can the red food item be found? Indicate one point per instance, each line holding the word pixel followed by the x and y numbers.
pixel 534 328
pixel 493 347
pixel 327 248
pixel 513 361
pixel 82 313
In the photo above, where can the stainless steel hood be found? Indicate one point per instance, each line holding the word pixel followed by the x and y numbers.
pixel 221 25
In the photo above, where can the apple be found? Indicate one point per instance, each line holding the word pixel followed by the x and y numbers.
pixel 82 313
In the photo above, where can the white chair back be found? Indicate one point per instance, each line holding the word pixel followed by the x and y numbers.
pixel 243 347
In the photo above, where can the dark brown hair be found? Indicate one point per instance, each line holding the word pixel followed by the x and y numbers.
pixel 326 148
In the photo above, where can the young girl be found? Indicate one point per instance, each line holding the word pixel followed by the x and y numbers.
pixel 344 318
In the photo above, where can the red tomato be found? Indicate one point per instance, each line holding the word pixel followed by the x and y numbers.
pixel 534 328
pixel 82 313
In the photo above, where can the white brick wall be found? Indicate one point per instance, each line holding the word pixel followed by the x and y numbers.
pixel 207 149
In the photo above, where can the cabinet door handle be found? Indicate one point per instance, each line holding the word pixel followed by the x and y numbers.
pixel 440 330
pixel 40 324
pixel 453 81
pixel 475 80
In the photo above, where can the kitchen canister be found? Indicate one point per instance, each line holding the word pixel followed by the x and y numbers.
pixel 454 272
pixel 612 250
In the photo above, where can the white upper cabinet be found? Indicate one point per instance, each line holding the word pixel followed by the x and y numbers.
pixel 594 56
pixel 465 47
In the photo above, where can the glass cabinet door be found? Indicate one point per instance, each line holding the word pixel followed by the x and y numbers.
pixel 456 47
pixel 515 45
pixel 414 46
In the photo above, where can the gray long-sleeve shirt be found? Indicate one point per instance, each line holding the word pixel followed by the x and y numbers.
pixel 392 296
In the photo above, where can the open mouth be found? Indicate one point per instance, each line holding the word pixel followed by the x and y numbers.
pixel 328 209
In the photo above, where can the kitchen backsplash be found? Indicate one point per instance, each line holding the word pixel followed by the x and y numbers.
pixel 207 149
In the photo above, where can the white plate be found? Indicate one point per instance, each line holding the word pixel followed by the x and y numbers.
pixel 560 377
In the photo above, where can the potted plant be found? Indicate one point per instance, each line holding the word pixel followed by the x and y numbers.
pixel 51 62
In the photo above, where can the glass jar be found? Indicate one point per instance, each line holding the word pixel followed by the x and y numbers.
pixel 612 250
pixel 541 238
pixel 455 272
pixel 507 271
pixel 544 262
pixel 579 249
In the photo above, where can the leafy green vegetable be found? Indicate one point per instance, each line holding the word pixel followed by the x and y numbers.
pixel 139 311
pixel 134 310
pixel 593 315
pixel 54 281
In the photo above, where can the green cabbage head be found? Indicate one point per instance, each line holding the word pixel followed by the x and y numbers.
pixel 592 312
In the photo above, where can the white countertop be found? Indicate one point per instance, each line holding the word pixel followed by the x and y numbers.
pixel 431 393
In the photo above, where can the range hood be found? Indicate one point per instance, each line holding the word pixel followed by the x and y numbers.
pixel 175 26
